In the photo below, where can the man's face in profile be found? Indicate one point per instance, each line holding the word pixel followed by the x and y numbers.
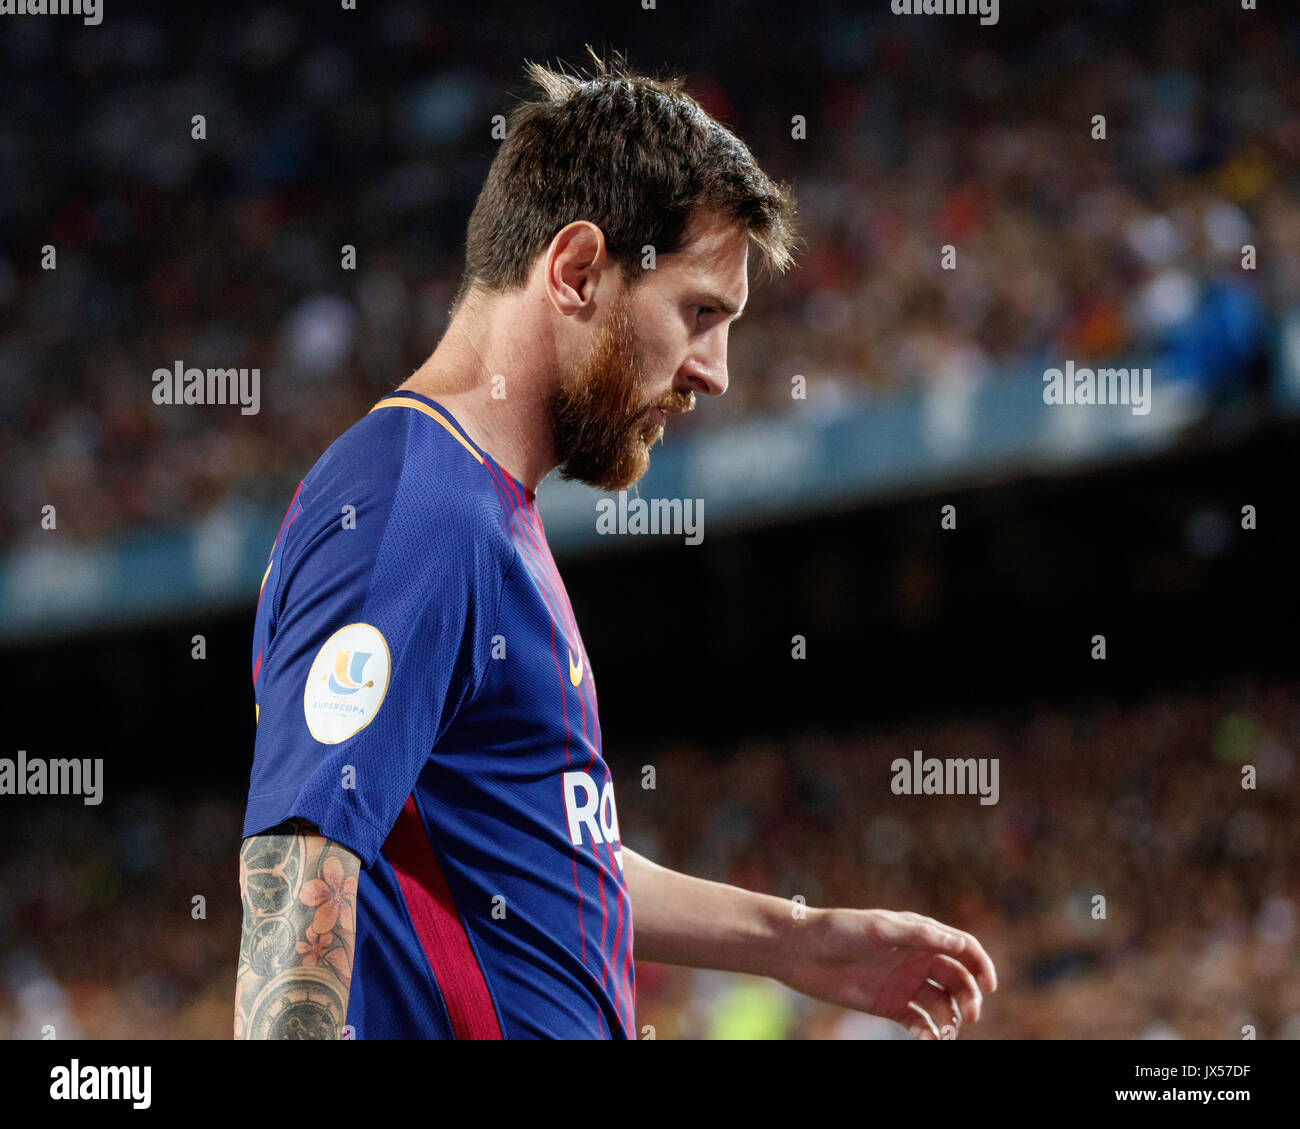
pixel 663 339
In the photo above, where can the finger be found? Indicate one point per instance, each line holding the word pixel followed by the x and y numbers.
pixel 919 1022
pixel 973 956
pixel 955 942
pixel 956 979
pixel 941 1007
pixel 911 930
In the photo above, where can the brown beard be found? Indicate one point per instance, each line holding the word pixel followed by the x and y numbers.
pixel 599 419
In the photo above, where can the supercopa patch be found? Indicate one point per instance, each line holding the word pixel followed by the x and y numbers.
pixel 346 684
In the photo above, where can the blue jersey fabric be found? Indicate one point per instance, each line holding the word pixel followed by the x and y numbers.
pixel 424 699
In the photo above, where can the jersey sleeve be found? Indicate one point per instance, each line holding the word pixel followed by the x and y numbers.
pixel 381 631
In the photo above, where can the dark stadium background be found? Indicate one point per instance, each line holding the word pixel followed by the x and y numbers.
pixel 1118 777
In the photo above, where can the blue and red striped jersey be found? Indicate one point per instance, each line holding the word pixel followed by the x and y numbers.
pixel 424 698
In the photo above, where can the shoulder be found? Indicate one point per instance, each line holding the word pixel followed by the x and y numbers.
pixel 402 492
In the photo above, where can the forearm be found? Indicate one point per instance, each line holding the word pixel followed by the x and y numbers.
pixel 299 932
pixel 692 921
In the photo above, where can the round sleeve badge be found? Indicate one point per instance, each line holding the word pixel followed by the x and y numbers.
pixel 346 684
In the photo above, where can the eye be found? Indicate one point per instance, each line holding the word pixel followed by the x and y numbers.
pixel 700 311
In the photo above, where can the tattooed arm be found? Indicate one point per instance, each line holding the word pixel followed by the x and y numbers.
pixel 299 891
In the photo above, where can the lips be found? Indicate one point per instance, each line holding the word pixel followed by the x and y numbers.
pixel 655 416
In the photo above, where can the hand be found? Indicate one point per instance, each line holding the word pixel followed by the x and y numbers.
pixel 902 966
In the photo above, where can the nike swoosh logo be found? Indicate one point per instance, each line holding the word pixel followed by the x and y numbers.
pixel 575 672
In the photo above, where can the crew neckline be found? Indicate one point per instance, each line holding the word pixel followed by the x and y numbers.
pixel 529 495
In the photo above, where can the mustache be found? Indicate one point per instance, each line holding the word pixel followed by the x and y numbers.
pixel 674 401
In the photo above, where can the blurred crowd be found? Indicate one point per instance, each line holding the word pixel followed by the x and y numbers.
pixel 372 130
pixel 1142 805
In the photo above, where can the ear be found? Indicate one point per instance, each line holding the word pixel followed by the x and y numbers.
pixel 574 264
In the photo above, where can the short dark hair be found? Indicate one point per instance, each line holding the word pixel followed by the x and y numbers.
pixel 637 156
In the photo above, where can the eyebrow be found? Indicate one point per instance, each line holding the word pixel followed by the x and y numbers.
pixel 725 306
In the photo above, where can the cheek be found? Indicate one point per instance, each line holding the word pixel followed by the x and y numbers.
pixel 659 358
pixel 660 340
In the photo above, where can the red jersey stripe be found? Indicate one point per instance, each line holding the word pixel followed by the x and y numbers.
pixel 440 929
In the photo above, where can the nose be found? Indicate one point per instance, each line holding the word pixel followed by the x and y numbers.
pixel 707 376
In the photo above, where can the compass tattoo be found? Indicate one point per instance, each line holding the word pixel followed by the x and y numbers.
pixel 299 893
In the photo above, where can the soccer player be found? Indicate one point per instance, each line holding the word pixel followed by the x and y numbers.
pixel 432 844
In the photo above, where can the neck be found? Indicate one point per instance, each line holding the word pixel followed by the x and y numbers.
pixel 495 388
